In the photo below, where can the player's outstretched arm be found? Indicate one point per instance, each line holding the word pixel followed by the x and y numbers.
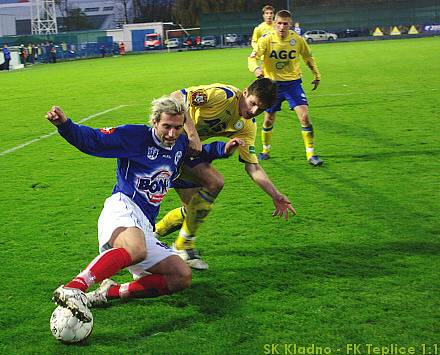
pixel 56 116
pixel 195 145
pixel 281 202
pixel 119 142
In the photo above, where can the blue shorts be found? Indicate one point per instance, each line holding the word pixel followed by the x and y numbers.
pixel 291 91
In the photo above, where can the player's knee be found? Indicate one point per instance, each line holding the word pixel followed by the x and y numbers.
pixel 269 119
pixel 180 280
pixel 138 253
pixel 304 119
pixel 215 184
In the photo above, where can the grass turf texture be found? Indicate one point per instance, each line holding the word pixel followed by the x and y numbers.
pixel 359 264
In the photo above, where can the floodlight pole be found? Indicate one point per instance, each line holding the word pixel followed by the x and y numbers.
pixel 44 21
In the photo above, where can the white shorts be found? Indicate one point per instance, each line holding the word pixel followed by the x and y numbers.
pixel 120 211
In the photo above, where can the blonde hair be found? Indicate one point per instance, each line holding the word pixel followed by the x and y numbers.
pixel 166 104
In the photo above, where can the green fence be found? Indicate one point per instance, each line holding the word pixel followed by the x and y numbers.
pixel 67 37
pixel 335 17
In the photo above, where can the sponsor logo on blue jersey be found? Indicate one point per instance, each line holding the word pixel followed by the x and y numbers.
pixel 156 186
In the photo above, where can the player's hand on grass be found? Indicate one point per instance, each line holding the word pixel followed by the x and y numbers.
pixel 56 116
pixel 315 84
pixel 233 144
pixel 282 207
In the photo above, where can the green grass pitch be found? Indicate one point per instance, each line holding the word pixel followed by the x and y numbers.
pixel 358 265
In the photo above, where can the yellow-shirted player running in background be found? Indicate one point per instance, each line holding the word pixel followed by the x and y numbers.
pixel 265 27
pixel 282 50
pixel 218 110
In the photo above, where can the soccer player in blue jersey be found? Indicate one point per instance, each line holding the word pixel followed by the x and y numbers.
pixel 149 159
pixel 281 51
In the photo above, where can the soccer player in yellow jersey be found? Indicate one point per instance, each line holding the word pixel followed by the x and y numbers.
pixel 282 50
pixel 265 27
pixel 218 110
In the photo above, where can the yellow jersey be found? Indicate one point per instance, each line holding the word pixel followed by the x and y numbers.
pixel 214 110
pixel 259 31
pixel 282 57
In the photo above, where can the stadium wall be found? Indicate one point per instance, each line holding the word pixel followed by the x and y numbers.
pixel 7 25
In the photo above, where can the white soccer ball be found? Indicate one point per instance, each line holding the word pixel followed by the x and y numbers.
pixel 67 328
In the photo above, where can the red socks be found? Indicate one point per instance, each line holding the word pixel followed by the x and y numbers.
pixel 102 267
pixel 146 287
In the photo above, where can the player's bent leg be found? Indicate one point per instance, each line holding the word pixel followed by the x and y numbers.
pixel 171 222
pixel 177 274
pixel 131 239
pixel 302 111
pixel 168 276
pixel 197 210
pixel 128 246
pixel 266 134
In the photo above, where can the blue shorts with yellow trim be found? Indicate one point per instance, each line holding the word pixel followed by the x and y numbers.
pixel 290 91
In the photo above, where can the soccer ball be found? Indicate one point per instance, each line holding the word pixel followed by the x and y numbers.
pixel 67 328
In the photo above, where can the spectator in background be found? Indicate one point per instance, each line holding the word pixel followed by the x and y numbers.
pixel 30 58
pixel 23 54
pixel 121 48
pixel 7 56
pixel 34 53
pixel 297 29
pixel 46 52
pixel 64 49
pixel 53 53
pixel 72 51
pixel 40 52
pixel 102 51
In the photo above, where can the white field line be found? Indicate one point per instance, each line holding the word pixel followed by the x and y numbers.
pixel 44 136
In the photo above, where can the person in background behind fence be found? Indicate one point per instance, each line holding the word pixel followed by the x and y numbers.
pixel 23 54
pixel 121 48
pixel 40 52
pixel 53 53
pixel 7 56
pixel 46 52
pixel 64 49
pixel 30 58
pixel 34 53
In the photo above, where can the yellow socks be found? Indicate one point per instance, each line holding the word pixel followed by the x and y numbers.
pixel 266 138
pixel 307 134
pixel 197 211
pixel 171 222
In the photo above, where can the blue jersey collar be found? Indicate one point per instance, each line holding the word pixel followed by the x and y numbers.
pixel 158 142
